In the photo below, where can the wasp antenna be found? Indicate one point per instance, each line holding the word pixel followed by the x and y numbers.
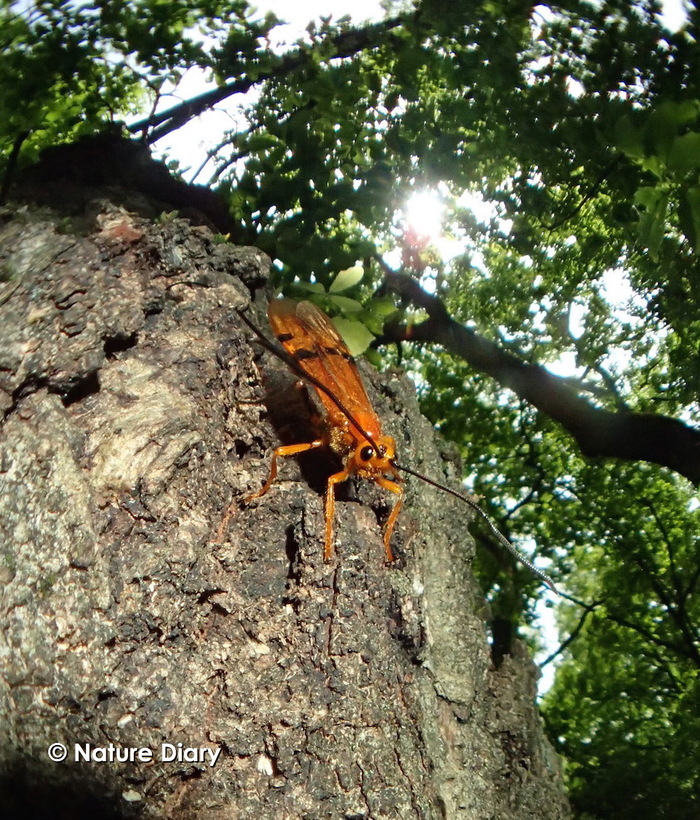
pixel 499 535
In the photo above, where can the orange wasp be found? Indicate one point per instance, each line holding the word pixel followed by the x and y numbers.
pixel 315 351
pixel 351 428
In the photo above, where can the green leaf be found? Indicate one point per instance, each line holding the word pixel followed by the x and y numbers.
pixel 647 197
pixel 345 304
pixel 628 137
pixel 383 306
pixel 684 155
pixel 347 279
pixel 671 115
pixel 355 334
pixel 261 142
pixel 310 287
pixel 376 313
pixel 664 123
pixel 689 215
pixel 652 217
pixel 655 164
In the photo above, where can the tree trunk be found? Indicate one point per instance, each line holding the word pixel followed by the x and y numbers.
pixel 133 416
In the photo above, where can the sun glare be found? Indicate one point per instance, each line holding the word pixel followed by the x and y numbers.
pixel 424 214
pixel 483 210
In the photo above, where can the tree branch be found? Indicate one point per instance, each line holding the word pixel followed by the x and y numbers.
pixel 685 651
pixel 599 433
pixel 576 631
pixel 346 44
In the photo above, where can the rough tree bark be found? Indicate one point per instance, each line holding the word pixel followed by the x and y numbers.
pixel 133 415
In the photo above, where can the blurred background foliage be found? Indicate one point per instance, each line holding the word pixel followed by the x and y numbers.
pixel 560 146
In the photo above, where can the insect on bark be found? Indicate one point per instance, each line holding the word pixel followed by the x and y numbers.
pixel 354 432
pixel 315 351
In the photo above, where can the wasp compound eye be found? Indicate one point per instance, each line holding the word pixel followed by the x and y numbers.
pixel 366 453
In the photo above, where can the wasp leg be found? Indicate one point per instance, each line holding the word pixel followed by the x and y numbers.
pixel 336 478
pixel 280 452
pixel 283 452
pixel 393 487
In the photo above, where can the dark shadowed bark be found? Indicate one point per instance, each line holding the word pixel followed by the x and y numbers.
pixel 132 408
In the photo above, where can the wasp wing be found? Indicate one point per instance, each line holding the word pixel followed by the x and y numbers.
pixel 310 337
